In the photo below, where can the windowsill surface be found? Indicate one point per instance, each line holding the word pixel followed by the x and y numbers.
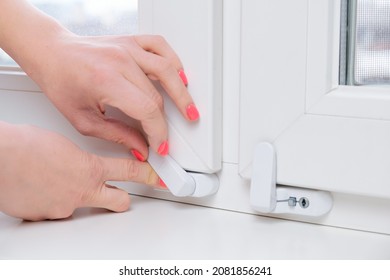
pixel 157 229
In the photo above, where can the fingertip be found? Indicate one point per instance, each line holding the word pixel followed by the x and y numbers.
pixel 163 149
pixel 162 184
pixel 138 155
pixel 110 198
pixel 117 200
pixel 183 77
pixel 192 112
pixel 156 131
pixel 125 205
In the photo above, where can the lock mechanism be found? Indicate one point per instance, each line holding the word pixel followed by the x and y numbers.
pixel 292 201
pixel 267 197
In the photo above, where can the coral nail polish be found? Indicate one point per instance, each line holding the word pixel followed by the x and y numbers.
pixel 183 77
pixel 192 112
pixel 137 155
pixel 163 149
pixel 161 183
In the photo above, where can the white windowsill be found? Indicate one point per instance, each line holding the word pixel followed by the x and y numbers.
pixel 157 229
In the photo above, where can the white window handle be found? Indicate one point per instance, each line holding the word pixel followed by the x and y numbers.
pixel 263 184
pixel 180 182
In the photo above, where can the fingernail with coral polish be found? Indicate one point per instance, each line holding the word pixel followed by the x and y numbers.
pixel 137 155
pixel 183 77
pixel 161 183
pixel 192 112
pixel 163 149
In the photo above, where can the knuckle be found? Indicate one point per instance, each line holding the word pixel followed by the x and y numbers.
pixel 92 173
pixel 101 73
pixel 132 169
pixel 117 139
pixel 128 41
pixel 159 40
pixel 99 76
pixel 151 107
pixel 96 167
pixel 117 53
pixel 163 66
pixel 158 99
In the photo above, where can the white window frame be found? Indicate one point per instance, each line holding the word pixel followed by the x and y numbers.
pixel 324 95
pixel 13 78
pixel 327 137
pixel 198 42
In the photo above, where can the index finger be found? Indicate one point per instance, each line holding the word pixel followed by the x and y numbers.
pixel 159 60
pixel 140 106
pixel 158 45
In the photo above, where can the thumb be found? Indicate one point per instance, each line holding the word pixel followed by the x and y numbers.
pixel 117 169
pixel 111 198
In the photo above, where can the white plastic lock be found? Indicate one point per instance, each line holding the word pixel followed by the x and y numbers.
pixel 263 185
pixel 266 197
pixel 180 182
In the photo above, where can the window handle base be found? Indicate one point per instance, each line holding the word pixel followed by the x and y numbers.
pixel 180 182
pixel 267 197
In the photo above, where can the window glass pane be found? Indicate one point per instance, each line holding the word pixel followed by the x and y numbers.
pixel 5 60
pixel 369 42
pixel 89 17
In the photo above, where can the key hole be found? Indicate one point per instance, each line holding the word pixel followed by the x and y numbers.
pixel 304 202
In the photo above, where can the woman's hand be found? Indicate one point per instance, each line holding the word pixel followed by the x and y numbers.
pixel 82 75
pixel 85 74
pixel 45 176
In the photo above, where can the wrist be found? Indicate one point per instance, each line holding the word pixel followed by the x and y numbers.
pixel 28 35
